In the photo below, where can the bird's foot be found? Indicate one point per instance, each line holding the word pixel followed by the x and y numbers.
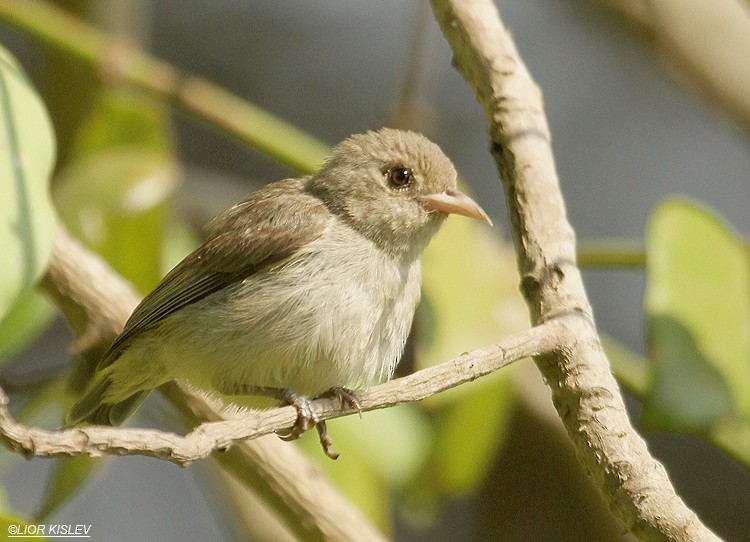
pixel 306 418
pixel 346 398
pixel 325 440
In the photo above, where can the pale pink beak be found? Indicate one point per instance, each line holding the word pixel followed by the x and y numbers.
pixel 455 202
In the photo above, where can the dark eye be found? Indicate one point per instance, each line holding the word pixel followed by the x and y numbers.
pixel 399 177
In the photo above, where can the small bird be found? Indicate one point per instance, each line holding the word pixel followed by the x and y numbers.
pixel 307 286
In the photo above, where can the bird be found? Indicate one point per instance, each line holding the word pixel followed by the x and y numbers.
pixel 308 286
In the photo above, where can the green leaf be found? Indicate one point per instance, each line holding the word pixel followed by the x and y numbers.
pixel 698 319
pixel 470 300
pixel 635 373
pixel 733 436
pixel 27 150
pixel 632 370
pixel 115 192
pixel 12 525
pixel 469 433
pixel 45 407
pixel 123 118
pixel 26 320
pixel 68 477
pixel 470 296
pixel 380 452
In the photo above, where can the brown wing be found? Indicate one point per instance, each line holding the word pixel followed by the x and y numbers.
pixel 265 229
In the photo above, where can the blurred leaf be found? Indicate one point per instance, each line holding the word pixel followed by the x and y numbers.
pixel 27 220
pixel 733 436
pixel 470 300
pixel 114 194
pixel 688 392
pixel 179 241
pixel 379 452
pixel 45 408
pixel 636 373
pixel 469 433
pixel 395 441
pixel 353 474
pixel 698 318
pixel 470 296
pixel 123 118
pixel 26 320
pixel 42 407
pixel 632 371
pixel 68 477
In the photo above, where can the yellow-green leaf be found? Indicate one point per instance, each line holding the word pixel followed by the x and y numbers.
pixel 27 151
pixel 27 318
pixel 470 295
pixel 115 191
pixel 698 317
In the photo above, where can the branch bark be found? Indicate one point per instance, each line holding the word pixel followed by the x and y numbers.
pixel 704 42
pixel 584 392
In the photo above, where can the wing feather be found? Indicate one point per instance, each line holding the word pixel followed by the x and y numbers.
pixel 264 230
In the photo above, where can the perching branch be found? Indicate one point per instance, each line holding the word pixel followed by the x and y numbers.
pixel 95 300
pixel 584 392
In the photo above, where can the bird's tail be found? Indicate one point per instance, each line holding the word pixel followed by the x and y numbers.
pixel 94 409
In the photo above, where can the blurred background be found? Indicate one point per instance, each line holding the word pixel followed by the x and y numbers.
pixel 645 102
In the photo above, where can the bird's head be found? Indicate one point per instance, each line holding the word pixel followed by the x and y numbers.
pixel 394 187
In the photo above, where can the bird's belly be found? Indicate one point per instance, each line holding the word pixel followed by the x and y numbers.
pixel 347 327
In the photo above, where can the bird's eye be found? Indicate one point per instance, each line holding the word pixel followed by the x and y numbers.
pixel 399 177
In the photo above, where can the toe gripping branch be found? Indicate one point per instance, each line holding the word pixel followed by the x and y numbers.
pixel 306 417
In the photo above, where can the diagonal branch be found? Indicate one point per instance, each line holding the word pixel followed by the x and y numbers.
pixel 584 392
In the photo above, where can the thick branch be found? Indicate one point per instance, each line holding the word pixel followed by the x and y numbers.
pixel 584 391
pixel 704 41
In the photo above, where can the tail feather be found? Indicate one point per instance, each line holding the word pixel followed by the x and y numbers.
pixel 93 409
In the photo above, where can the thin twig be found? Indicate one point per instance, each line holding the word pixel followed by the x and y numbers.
pixel 220 435
pixel 584 391
pixel 611 253
pixel 119 63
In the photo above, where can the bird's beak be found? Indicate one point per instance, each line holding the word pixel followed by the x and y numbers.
pixel 455 202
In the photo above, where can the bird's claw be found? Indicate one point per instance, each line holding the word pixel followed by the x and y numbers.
pixel 346 398
pixel 306 417
pixel 325 440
